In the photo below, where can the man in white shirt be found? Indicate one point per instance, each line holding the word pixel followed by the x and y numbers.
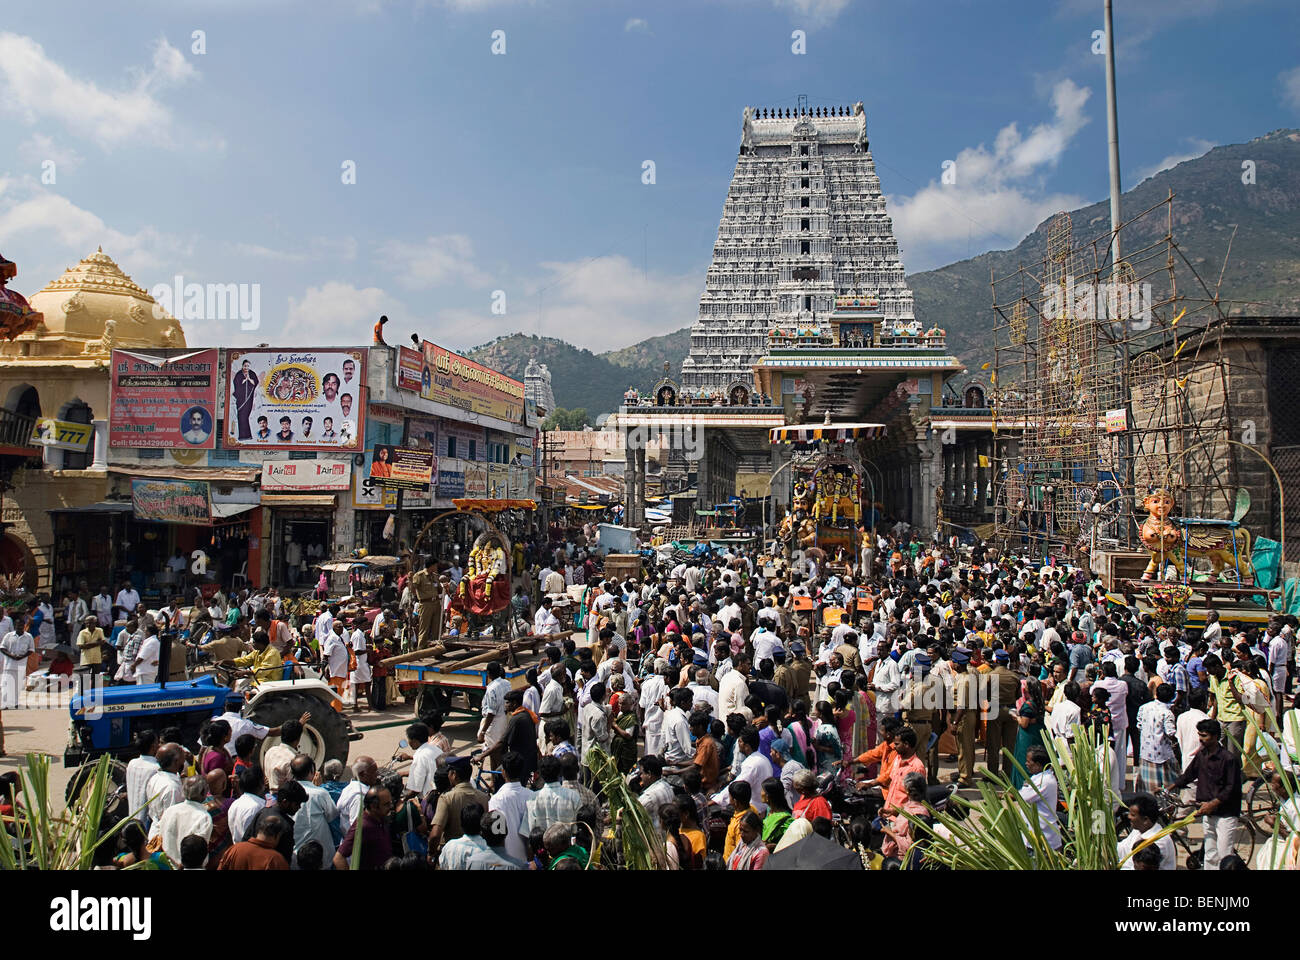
pixel 765 643
pixel 139 772
pixel 101 605
pixel 733 688
pixel 754 769
pixel 246 806
pixel 127 598
pixel 511 801
pixel 887 681
pixel 75 613
pixel 593 720
pixel 544 621
pixel 1143 817
pixel 425 761
pixel 1041 791
pixel 334 652
pixel 493 725
pixel 312 821
pixel 187 818
pixel 365 773
pixel 653 691
pixel 164 788
pixel 702 692
pixel 145 667
pixel 677 750
pixel 324 625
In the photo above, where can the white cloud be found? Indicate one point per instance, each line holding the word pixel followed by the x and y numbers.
pixel 999 194
pixel 433 262
pixel 318 248
pixel 38 88
pixel 1197 148
pixel 636 23
pixel 1290 81
pixel 38 148
pixel 48 221
pixel 600 304
pixel 335 314
pixel 817 12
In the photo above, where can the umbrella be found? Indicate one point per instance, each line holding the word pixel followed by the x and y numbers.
pixel 814 553
pixel 814 852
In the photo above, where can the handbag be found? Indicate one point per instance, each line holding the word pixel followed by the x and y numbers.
pixel 412 841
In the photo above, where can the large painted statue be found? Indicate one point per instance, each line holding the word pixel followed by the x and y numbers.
pixel 1165 539
pixel 837 496
pixel 485 588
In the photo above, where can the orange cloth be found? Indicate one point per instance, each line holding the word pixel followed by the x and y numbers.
pixel 884 754
pixel 895 793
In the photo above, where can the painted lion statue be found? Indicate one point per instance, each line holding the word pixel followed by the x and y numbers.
pixel 1216 544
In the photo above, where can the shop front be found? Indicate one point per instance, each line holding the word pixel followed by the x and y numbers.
pixel 303 496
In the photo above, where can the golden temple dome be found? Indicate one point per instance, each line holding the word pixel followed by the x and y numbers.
pixel 93 308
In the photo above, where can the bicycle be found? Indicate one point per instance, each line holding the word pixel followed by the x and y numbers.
pixel 485 781
pixel 1171 809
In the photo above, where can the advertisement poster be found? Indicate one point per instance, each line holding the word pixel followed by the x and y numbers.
pixel 172 501
pixel 410 369
pixel 459 382
pixel 498 481
pixel 296 399
pixel 1116 421
pixel 451 483
pixel 293 476
pixel 368 494
pixel 476 480
pixel 61 434
pixel 163 399
pixel 417 500
pixel 401 467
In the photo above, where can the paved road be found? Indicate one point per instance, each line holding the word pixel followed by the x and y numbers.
pixel 46 731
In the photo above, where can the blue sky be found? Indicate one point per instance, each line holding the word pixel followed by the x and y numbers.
pixel 522 172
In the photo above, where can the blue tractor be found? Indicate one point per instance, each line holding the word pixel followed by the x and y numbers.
pixel 107 719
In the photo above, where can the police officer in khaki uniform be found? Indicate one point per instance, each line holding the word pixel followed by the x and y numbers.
pixel 1002 726
pixel 428 592
pixel 922 704
pixel 965 718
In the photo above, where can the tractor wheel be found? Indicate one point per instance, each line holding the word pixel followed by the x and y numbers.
pixel 325 736
pixel 86 772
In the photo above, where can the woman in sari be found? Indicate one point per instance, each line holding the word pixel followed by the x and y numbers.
pixel 826 739
pixel 779 817
pixel 845 716
pixel 799 732
pixel 1030 721
pixel 750 853
pixel 215 756
pixel 864 724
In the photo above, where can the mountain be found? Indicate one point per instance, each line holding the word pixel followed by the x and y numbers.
pixel 580 378
pixel 1262 275
pixel 1263 267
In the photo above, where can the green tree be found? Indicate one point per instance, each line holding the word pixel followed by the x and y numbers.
pixel 562 419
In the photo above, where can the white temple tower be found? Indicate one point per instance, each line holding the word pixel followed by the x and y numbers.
pixel 804 222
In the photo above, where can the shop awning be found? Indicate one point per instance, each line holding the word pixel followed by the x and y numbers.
pixel 105 506
pixel 222 510
pixel 493 506
pixel 809 433
pixel 324 500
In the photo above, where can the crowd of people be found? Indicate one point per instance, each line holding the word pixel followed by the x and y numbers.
pixel 748 702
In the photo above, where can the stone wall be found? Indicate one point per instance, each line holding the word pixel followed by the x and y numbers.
pixel 35 493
